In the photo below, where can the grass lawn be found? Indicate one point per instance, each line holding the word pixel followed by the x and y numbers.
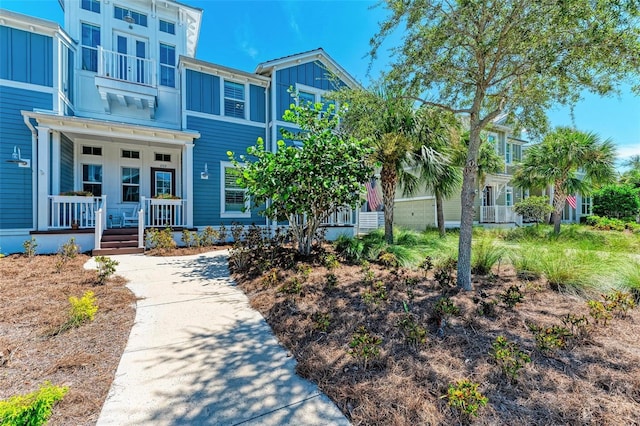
pixel 387 336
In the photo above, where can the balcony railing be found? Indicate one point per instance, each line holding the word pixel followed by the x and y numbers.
pixel 162 213
pixel 371 220
pixel 129 68
pixel 499 214
pixel 344 216
pixel 67 212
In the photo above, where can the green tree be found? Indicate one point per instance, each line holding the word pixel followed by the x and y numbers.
pixel 536 208
pixel 616 201
pixel 388 120
pixel 570 160
pixel 483 57
pixel 306 184
pixel 632 176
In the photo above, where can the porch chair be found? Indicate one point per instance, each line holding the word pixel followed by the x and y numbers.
pixel 131 217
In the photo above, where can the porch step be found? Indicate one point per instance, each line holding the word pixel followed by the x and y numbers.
pixel 119 241
pixel 117 251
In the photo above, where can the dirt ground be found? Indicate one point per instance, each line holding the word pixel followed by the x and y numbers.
pixel 34 304
pixel 594 380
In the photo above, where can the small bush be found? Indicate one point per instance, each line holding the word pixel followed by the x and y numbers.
pixel 619 302
pixel 443 273
pixel 305 271
pixel 331 262
pixel 426 265
pixel 465 397
pixel 190 238
pixel 509 357
pixel 30 247
pixel 106 268
pixel 70 249
pixel 414 334
pixel 350 249
pixel 270 278
pixel 487 308
pixel 83 309
pixel 485 254
pixel 209 236
pixel 160 240
pixel 33 409
pixel 237 230
pixel 321 322
pixel 512 296
pixel 388 259
pixel 223 234
pixel 577 325
pixel 332 281
pixel 376 294
pixel 292 286
pixel 364 345
pixel 550 338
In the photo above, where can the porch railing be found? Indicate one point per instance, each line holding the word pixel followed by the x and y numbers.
pixel 101 224
pixel 371 220
pixel 344 216
pixel 499 214
pixel 125 67
pixel 67 212
pixel 161 213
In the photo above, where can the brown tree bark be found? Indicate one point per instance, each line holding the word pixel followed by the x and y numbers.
pixel 440 215
pixel 389 181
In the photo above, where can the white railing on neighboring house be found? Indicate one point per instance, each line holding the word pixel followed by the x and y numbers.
pixel 499 214
pixel 120 66
pixel 101 225
pixel 69 212
pixel 162 213
pixel 343 216
pixel 141 228
pixel 371 220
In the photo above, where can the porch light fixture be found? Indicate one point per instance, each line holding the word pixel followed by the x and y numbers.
pixel 128 18
pixel 205 173
pixel 16 158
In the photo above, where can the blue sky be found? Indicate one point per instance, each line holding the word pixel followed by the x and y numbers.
pixel 242 33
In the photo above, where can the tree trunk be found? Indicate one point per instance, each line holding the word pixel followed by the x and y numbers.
pixel 389 181
pixel 558 205
pixel 467 198
pixel 440 215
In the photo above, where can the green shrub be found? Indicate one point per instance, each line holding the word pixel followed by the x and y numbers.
pixel 82 310
pixel 616 201
pixel 414 333
pixel 364 345
pixel 484 255
pixel 292 286
pixel 376 294
pixel 443 273
pixel 331 262
pixel 388 259
pixel 465 397
pixel 550 338
pixel 512 296
pixel 321 321
pixel 509 357
pixel 69 250
pixel 223 234
pixel 332 281
pixel 444 307
pixel 106 268
pixel 534 208
pixel 190 238
pixel 30 247
pixel 33 409
pixel 160 240
pixel 631 279
pixel 209 236
pixel 350 249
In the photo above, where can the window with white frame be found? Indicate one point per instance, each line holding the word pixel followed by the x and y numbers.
pixel 130 15
pixel 234 202
pixel 90 42
pixel 130 184
pixel 306 98
pixel 586 206
pixel 508 196
pixel 92 179
pixel 507 154
pixel 234 99
pixel 517 152
pixel 91 5
pixel 167 27
pixel 167 65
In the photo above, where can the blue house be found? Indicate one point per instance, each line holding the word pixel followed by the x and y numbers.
pixel 111 125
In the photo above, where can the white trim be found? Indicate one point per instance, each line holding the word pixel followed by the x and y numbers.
pixel 28 86
pixel 222 71
pixel 425 197
pixel 318 93
pixel 247 203
pixel 14 231
pixel 247 106
pixel 223 118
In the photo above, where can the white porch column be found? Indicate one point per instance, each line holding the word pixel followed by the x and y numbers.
pixel 55 163
pixel 42 172
pixel 187 181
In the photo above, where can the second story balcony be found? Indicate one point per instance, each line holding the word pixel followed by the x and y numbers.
pixel 126 80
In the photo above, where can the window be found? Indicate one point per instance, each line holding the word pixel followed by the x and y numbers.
pixel 92 150
pixel 233 99
pixel 167 27
pixel 586 207
pixel 306 98
pixel 130 154
pixel 92 179
pixel 122 13
pixel 162 182
pixel 517 152
pixel 167 65
pixel 92 5
pixel 507 154
pixel 234 201
pixel 130 184
pixel 163 157
pixel 508 196
pixel 90 43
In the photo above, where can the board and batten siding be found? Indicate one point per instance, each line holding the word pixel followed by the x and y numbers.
pixel 26 57
pixel 313 74
pixel 16 182
pixel 66 164
pixel 216 138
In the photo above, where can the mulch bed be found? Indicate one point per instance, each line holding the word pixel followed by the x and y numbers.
pixel 35 303
pixel 594 380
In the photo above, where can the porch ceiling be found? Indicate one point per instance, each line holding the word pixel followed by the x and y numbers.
pixel 76 127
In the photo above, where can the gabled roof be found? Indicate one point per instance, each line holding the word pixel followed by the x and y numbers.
pixel 267 68
pixel 222 70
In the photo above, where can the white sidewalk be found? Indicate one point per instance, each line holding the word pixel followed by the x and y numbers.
pixel 198 354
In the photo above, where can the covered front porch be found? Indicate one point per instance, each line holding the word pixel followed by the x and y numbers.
pixel 496 202
pixel 94 174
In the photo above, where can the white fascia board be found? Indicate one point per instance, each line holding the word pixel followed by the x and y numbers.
pixel 222 71
pixel 28 23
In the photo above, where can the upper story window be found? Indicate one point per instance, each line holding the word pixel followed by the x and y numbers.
pixel 507 154
pixel 517 152
pixel 234 99
pixel 130 154
pixel 91 150
pixel 90 43
pixel 508 196
pixel 167 27
pixel 306 97
pixel 167 65
pixel 92 5
pixel 130 16
pixel 163 157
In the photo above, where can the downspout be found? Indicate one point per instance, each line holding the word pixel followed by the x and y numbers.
pixel 34 168
pixel 267 135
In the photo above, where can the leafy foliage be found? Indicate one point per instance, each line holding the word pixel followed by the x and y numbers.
pixel 617 201
pixel 509 357
pixel 465 397
pixel 534 208
pixel 160 240
pixel 550 338
pixel 306 184
pixel 30 246
pixel 364 345
pixel 33 409
pixel 106 268
pixel 486 253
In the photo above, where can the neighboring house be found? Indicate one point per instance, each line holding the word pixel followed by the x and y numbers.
pixel 115 104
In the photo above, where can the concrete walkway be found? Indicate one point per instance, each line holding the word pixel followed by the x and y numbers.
pixel 199 355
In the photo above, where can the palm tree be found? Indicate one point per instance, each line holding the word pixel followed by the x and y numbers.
pixel 632 176
pixel 570 160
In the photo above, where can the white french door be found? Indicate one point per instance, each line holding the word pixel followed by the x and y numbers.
pixel 133 53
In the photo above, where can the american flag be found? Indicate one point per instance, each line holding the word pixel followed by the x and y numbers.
pixel 373 198
pixel 571 199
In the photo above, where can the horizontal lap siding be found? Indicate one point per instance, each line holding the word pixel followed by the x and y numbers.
pixel 217 137
pixel 15 182
pixel 26 57
pixel 313 74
